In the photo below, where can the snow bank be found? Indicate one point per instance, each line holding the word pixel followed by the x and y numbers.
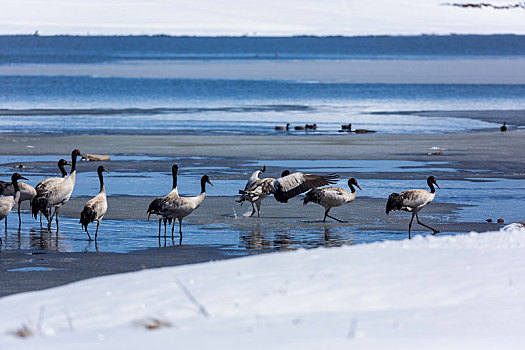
pixel 431 292
pixel 255 17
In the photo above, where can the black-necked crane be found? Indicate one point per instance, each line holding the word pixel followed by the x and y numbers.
pixel 252 181
pixel 331 197
pixel 96 207
pixel 27 193
pixel 43 185
pixel 57 194
pixel 285 187
pixel 155 207
pixel 180 207
pixel 503 128
pixel 7 203
pixel 291 185
pixel 257 190
pixel 413 201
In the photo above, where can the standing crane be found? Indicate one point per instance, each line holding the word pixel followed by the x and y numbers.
pixel 413 201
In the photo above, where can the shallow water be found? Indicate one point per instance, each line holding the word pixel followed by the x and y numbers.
pixel 477 196
pixel 128 235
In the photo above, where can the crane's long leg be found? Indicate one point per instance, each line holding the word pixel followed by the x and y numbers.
pixel 96 232
pixel 422 224
pixel 331 217
pixel 336 219
pixel 5 223
pixel 56 217
pixel 50 219
pixel 19 219
pixel 89 237
pixel 160 224
pixel 180 230
pixel 253 209
pixel 258 204
pixel 410 225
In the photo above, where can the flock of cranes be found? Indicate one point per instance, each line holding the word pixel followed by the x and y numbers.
pixel 51 194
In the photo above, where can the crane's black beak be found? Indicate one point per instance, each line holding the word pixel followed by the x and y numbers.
pixel 435 183
pixel 23 178
pixel 358 186
pixel 209 182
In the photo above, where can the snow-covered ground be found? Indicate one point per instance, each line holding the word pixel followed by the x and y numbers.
pixel 255 17
pixel 448 292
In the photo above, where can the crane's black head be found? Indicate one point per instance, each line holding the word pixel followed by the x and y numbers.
pixel 63 162
pixel 353 181
pixel 206 179
pixel 263 169
pixel 101 169
pixel 285 173
pixel 432 181
pixel 76 153
pixel 174 168
pixel 17 176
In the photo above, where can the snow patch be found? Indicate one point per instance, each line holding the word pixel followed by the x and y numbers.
pixel 453 292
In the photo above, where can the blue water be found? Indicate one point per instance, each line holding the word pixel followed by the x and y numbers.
pixel 93 49
pixel 80 103
pixel 73 103
pixel 151 106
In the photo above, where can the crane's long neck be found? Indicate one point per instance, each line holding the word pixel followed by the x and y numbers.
pixel 16 195
pixel 62 170
pixel 352 188
pixel 203 186
pixel 73 163
pixel 432 189
pixel 101 180
pixel 174 173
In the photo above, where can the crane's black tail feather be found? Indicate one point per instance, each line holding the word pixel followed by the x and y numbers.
pixel 395 202
pixel 88 215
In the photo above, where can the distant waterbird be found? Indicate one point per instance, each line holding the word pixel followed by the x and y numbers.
pixel 96 207
pixel 156 206
pixel 8 202
pixel 503 128
pixel 347 127
pixel 413 201
pixel 331 197
pixel 287 127
pixel 180 207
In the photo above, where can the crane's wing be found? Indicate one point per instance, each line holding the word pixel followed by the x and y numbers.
pixel 291 185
